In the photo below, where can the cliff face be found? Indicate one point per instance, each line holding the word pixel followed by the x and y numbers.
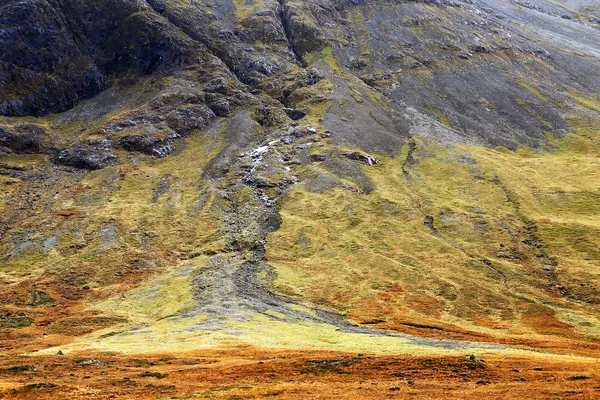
pixel 471 65
pixel 417 166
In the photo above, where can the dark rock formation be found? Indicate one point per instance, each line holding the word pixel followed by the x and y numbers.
pixel 364 158
pixel 189 117
pixel 22 139
pixel 154 146
pixel 221 108
pixel 56 53
pixel 90 155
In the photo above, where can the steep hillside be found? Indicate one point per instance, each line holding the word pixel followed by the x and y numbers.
pixel 402 177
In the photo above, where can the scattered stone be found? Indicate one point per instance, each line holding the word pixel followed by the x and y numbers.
pixel 538 368
pixel 90 363
pixel 579 378
pixel 304 146
pixel 156 375
pixel 189 117
pixel 39 386
pixel 317 157
pixel 395 388
pixel 412 382
pixel 217 85
pixel 22 368
pixel 298 133
pixel 481 49
pixel 362 157
pixel 288 139
pixel 429 222
pixel 260 183
pixel 59 353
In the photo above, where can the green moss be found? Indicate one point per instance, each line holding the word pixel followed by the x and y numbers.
pixel 589 102
pixel 124 200
pixel 441 117
pixel 244 9
pixel 260 331
pixel 329 58
pixel 313 101
pixel 376 97
pixel 356 95
pixel 534 91
pixel 365 49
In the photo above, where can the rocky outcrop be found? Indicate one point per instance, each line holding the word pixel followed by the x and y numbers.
pixel 300 26
pixel 53 52
pixel 151 145
pixel 189 117
pixel 145 42
pixel 362 157
pixel 56 53
pixel 91 155
pixel 22 139
pixel 221 108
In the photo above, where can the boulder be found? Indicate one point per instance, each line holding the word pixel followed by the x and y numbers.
pixel 362 157
pixel 294 114
pixel 22 139
pixel 92 155
pixel 317 157
pixel 154 146
pixel 189 117
pixel 288 139
pixel 221 108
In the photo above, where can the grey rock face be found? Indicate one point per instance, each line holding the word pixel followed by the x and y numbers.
pixel 478 72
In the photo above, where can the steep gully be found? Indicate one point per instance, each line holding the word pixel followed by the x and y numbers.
pixel 285 24
pixel 236 283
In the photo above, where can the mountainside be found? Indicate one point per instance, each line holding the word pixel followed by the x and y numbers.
pixel 386 176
